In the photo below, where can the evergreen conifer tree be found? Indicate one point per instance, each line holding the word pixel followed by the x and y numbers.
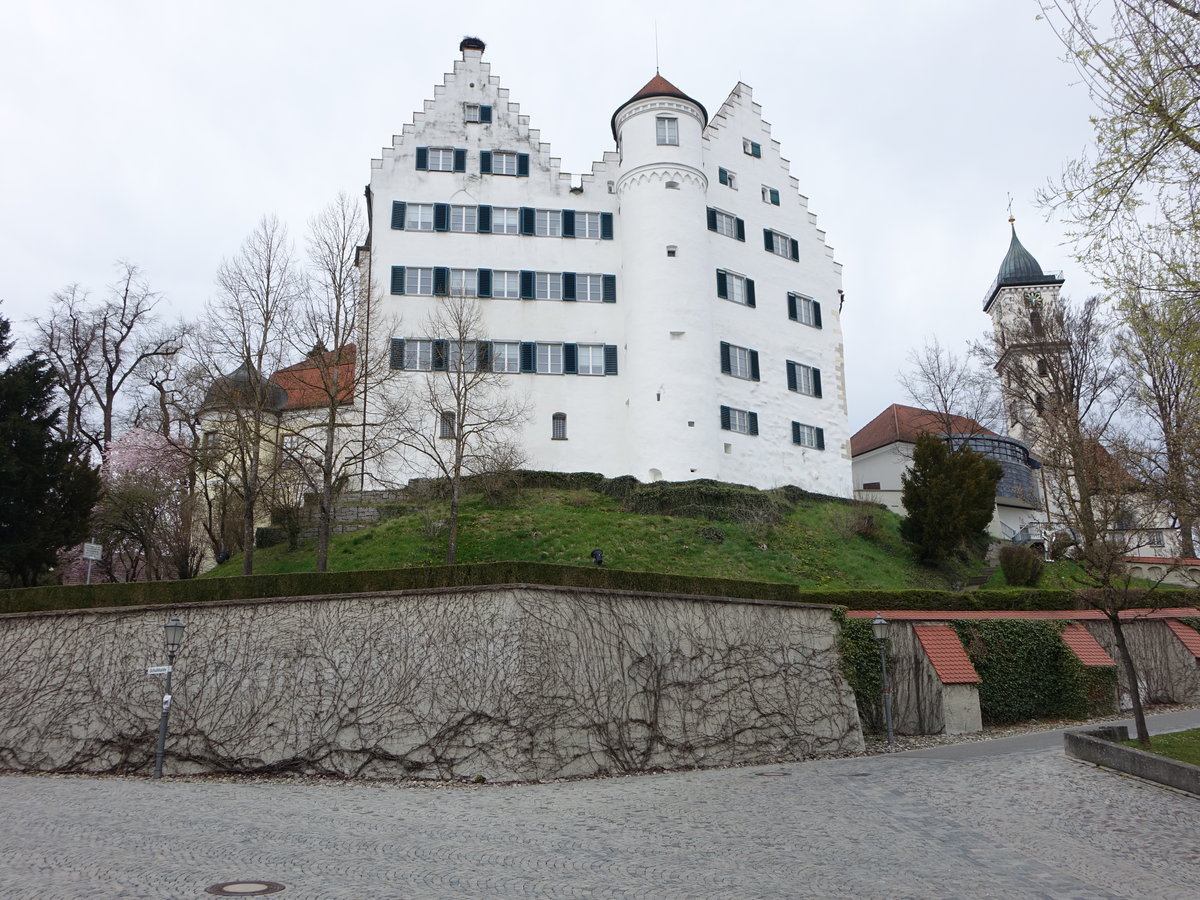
pixel 949 495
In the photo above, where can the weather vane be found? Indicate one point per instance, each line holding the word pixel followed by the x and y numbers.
pixel 1010 215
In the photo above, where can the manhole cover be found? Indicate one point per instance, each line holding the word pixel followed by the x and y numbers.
pixel 772 774
pixel 245 888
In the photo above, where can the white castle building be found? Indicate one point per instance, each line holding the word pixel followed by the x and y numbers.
pixel 674 314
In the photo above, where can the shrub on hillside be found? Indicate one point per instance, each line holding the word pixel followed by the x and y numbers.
pixel 949 496
pixel 1022 566
pixel 705 499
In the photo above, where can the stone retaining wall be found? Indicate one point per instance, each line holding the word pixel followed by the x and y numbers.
pixel 507 683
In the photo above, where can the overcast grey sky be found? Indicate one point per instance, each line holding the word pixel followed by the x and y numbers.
pixel 161 133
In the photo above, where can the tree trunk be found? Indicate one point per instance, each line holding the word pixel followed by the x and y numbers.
pixel 452 543
pixel 1187 546
pixel 248 535
pixel 325 507
pixel 1139 715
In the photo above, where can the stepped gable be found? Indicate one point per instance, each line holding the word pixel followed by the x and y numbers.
pixel 900 423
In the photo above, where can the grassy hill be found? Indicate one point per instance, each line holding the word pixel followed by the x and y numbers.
pixel 724 531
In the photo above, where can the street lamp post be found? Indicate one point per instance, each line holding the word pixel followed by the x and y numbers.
pixel 879 626
pixel 173 637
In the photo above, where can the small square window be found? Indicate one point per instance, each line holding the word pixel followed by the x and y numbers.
pixel 506 356
pixel 418 280
pixel 727 178
pixel 419 217
pixel 804 435
pixel 506 220
pixel 667 130
pixel 504 162
pixel 780 244
pixel 587 224
pixel 751 148
pixel 739 362
pixel 441 159
pixel 547 222
pixel 804 310
pixel 464 282
pixel 548 286
pixel 464 218
pixel 418 355
pixel 739 420
pixel 549 359
pixel 726 224
pixel 770 195
pixel 590 359
pixel 506 284
pixel 589 288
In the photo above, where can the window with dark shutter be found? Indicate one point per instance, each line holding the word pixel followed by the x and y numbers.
pixel 726 366
pixel 769 240
pixel 820 438
pixel 485 162
pixel 816 382
pixel 528 220
pixel 791 376
pixel 774 196
pixel 750 292
pixel 754 365
pixel 816 314
pixel 570 359
pixel 460 160
pixel 606 226
pixel 725 418
pixel 610 359
pixel 609 288
pixel 723 175
pixel 441 355
pixel 522 164
pixel 753 417
pixel 528 356
pixel 712 219
pixel 398 210
pixel 568 285
pixel 483 217
pixel 441 217
pixel 485 114
pixel 396 359
pixel 568 223
pixel 793 313
pixel 722 285
pixel 795 430
pixel 527 285
pixel 441 281
pixel 741 229
pixel 397 279
pixel 483 356
pixel 483 283
pixel 795 250
pixel 423 158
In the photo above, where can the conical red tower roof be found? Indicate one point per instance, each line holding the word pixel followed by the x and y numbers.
pixel 658 87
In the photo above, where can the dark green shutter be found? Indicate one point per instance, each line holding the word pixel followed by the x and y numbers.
pixel 527 283
pixel 791 376
pixel 483 217
pixel 754 365
pixel 774 196
pixel 522 164
pixel 755 149
pixel 483 356
pixel 528 220
pixel 528 356
pixel 397 279
pixel 568 285
pixel 396 360
pixel 485 114
pixel 570 359
pixel 483 285
pixel 712 219
pixel 793 312
pixel 485 162
pixel 795 250
pixel 609 288
pixel 423 158
pixel 795 431
pixel 820 438
pixel 606 226
pixel 568 223
pixel 753 417
pixel 460 160
pixel 816 308
pixel 723 175
pixel 441 217
pixel 441 281
pixel 816 382
pixel 398 214
pixel 441 355
pixel 768 240
pixel 741 229
pixel 610 359
pixel 726 367
pixel 722 285
pixel 725 417
pixel 750 292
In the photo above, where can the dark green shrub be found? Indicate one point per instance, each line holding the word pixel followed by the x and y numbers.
pixel 1026 671
pixel 949 496
pixel 269 537
pixel 1022 566
pixel 705 499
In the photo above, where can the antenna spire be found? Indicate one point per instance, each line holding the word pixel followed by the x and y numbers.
pixel 656 71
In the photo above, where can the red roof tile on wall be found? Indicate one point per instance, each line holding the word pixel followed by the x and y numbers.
pixel 1188 636
pixel 946 652
pixel 1060 615
pixel 1084 646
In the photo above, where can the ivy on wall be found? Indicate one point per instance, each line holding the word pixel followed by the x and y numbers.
pixel 1027 672
pixel 860 666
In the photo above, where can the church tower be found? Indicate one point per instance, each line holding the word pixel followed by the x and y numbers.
pixel 1020 299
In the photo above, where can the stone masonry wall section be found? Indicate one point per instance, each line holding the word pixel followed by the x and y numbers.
pixel 510 683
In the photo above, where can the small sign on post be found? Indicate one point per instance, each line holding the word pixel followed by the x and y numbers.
pixel 92 551
pixel 158 670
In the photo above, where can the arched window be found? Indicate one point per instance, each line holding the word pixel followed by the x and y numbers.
pixel 558 427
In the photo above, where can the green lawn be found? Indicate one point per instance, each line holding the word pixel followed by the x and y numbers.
pixel 815 545
pixel 1181 745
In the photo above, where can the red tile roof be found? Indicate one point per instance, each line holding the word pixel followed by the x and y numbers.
pixel 1189 636
pixel 946 652
pixel 1084 646
pixel 658 87
pixel 904 423
pixel 1067 615
pixel 304 382
pixel 1165 560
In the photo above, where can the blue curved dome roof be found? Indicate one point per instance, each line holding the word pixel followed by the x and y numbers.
pixel 1019 266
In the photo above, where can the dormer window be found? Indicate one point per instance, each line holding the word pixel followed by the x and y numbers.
pixel 667 130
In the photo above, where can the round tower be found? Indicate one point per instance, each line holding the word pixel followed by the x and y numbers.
pixel 670 352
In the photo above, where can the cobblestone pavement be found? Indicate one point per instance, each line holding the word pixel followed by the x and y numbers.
pixel 1028 823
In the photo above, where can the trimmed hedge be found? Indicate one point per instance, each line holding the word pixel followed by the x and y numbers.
pixel 302 584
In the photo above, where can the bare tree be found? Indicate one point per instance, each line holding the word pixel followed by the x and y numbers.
pixel 951 387
pixel 1064 384
pixel 100 350
pixel 331 431
pixel 241 340
pixel 461 418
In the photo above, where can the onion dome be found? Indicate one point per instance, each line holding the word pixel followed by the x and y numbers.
pixel 659 87
pixel 1019 266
